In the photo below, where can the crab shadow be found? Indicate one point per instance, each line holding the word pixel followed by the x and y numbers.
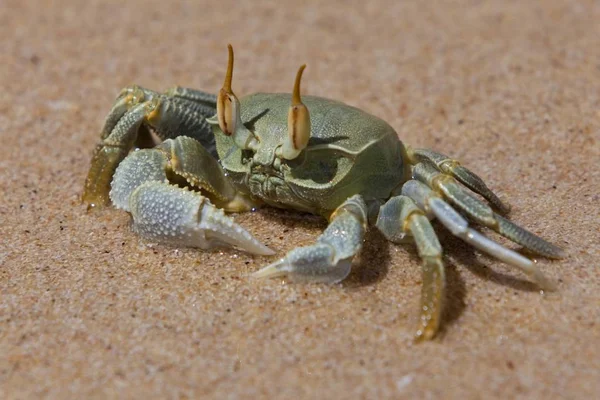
pixel 373 261
pixel 459 254
pixel 463 255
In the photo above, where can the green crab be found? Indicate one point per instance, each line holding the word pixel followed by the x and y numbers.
pixel 220 154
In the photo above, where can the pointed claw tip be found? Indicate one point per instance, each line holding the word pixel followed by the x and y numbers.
pixel 503 207
pixel 265 251
pixel 557 253
pixel 270 271
pixel 424 334
pixel 93 203
pixel 419 337
pixel 548 250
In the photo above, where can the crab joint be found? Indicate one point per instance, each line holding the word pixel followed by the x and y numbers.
pixel 228 111
pixel 153 111
pixel 298 123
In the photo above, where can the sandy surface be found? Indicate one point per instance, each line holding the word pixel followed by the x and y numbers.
pixel 89 310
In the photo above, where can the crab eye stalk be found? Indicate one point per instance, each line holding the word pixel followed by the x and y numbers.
pixel 298 123
pixel 227 101
pixel 228 111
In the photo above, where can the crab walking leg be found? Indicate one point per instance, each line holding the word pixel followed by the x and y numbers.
pixel 329 260
pixel 118 135
pixel 481 212
pixel 202 102
pixel 109 153
pixel 398 217
pixel 452 167
pixel 431 202
pixel 179 112
pixel 167 213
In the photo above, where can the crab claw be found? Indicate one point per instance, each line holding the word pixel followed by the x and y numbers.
pixel 298 123
pixel 329 260
pixel 166 213
pixel 317 263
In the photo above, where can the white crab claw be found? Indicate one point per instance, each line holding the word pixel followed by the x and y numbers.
pixel 316 263
pixel 273 270
pixel 218 228
pixel 170 214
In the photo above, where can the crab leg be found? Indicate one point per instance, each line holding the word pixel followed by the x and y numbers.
pixel 178 112
pixel 481 212
pixel 463 175
pixel 428 200
pixel 201 102
pixel 167 213
pixel 329 260
pixel 109 153
pixel 398 217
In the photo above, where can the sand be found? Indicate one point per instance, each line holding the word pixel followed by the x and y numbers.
pixel 89 310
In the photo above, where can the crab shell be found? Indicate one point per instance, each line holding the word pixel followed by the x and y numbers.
pixel 350 152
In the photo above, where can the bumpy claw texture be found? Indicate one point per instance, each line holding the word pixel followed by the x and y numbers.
pixel 166 213
pixel 140 167
pixel 330 259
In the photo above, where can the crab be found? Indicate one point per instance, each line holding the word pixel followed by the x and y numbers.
pixel 220 154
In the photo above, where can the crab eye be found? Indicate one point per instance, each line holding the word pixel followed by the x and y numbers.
pixel 298 123
pixel 227 106
pixel 228 112
pixel 227 102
